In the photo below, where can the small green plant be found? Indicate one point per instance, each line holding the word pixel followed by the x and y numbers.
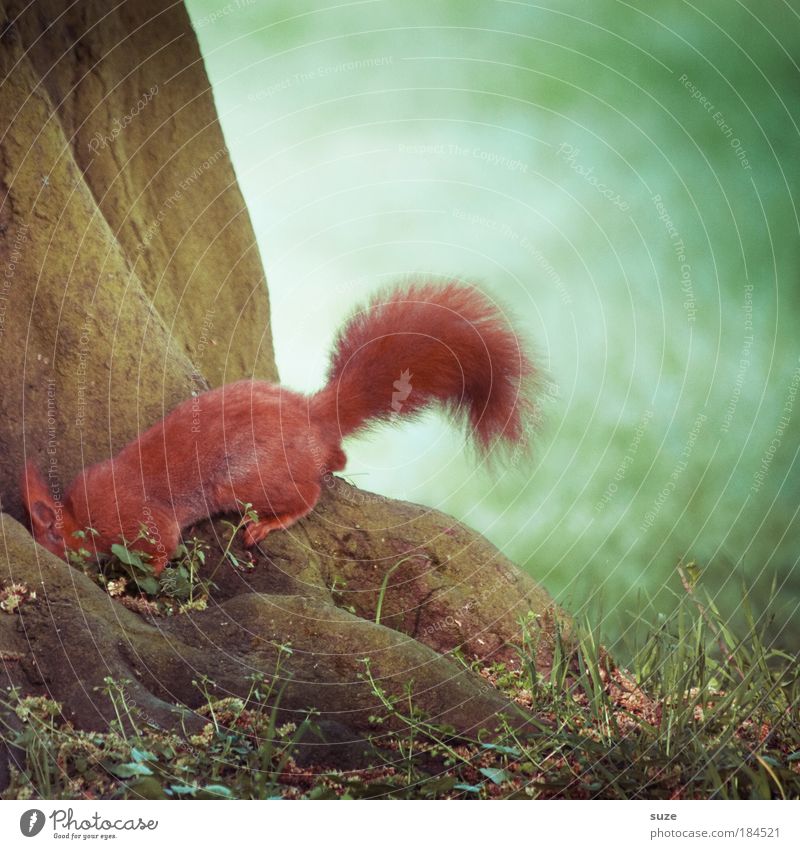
pixel 125 713
pixel 385 584
pixel 80 558
pixel 128 573
pixel 135 565
pixel 338 590
pixel 248 516
pixel 243 751
pixel 125 562
pixel 181 580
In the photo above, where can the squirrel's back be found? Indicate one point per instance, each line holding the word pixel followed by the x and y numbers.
pixel 259 444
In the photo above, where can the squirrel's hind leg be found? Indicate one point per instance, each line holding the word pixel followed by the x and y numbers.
pixel 307 500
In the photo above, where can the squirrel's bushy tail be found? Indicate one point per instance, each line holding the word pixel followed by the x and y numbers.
pixel 425 344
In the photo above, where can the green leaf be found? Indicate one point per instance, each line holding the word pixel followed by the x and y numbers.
pixel 129 770
pixel 211 791
pixel 439 786
pixel 129 558
pixel 692 573
pixel 503 750
pixel 182 789
pixel 140 755
pixel 469 788
pixel 148 585
pixel 498 776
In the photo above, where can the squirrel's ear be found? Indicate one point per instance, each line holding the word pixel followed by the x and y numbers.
pixel 44 522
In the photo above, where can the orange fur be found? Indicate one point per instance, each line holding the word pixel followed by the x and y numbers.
pixel 253 442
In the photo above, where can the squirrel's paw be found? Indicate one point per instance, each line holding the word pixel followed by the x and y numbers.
pixel 256 531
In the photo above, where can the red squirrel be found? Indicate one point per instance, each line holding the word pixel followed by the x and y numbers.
pixel 253 442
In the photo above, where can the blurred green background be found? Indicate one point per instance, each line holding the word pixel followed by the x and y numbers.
pixel 623 176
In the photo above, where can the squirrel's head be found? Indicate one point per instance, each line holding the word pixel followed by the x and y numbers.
pixel 52 523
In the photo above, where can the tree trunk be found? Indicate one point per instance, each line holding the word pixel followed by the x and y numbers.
pixel 130 279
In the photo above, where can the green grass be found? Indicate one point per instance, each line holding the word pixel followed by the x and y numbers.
pixel 702 713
